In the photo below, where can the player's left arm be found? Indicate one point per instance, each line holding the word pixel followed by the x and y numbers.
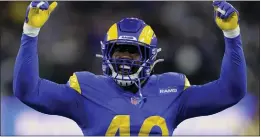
pixel 231 87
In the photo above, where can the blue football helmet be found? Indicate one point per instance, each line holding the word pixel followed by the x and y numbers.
pixel 135 33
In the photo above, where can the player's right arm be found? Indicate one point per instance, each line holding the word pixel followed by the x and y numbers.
pixel 40 94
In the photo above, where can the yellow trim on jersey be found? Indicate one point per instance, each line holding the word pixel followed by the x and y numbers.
pixel 146 35
pixel 187 83
pixel 112 34
pixel 73 81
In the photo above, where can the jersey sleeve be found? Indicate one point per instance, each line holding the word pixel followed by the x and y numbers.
pixel 215 96
pixel 41 94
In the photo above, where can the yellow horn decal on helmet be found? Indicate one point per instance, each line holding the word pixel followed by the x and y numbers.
pixel 146 35
pixel 112 34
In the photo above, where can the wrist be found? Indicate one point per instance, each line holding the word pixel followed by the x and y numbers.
pixel 232 33
pixel 30 31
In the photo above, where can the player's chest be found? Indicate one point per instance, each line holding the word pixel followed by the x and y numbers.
pixel 122 115
pixel 128 119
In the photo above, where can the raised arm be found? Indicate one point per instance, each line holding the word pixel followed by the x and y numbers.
pixel 40 94
pixel 230 88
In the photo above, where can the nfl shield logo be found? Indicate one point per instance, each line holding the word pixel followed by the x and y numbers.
pixel 135 100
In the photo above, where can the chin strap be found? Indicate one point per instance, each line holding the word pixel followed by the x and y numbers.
pixel 142 99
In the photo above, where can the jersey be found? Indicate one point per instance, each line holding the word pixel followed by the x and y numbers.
pixel 109 104
pixel 100 107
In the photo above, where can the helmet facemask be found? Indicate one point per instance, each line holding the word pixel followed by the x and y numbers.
pixel 127 70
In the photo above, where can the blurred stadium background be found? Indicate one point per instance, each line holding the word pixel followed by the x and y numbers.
pixel 191 43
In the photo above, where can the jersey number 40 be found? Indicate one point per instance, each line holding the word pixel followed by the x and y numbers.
pixel 122 123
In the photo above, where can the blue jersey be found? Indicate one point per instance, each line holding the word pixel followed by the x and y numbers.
pixel 100 107
pixel 110 109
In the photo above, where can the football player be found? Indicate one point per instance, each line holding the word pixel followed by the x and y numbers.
pixel 129 99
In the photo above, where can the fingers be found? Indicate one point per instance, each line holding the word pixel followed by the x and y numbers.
pixel 43 5
pixel 223 9
pixel 229 12
pixel 219 6
pixel 217 2
pixel 52 7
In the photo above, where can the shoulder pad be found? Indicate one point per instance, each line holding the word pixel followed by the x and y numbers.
pixel 85 77
pixel 74 83
pixel 79 80
pixel 187 83
pixel 178 79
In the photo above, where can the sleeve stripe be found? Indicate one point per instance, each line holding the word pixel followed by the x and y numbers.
pixel 73 82
pixel 187 83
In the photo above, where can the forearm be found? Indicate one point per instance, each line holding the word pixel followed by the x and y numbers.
pixel 215 96
pixel 26 69
pixel 233 71
pixel 40 94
